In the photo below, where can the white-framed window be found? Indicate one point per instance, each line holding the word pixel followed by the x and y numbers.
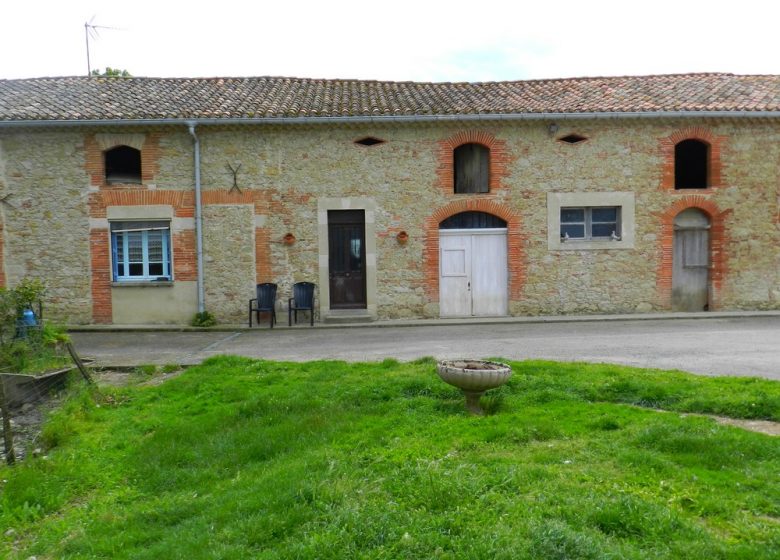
pixel 590 220
pixel 141 251
pixel 590 223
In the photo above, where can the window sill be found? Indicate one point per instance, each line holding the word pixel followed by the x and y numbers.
pixel 573 245
pixel 143 284
pixel 695 190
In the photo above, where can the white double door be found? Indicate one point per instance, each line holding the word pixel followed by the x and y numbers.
pixel 472 272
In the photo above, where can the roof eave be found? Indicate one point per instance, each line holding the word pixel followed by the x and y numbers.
pixel 365 119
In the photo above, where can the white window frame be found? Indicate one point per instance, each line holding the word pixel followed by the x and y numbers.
pixel 588 223
pixel 120 236
pixel 622 200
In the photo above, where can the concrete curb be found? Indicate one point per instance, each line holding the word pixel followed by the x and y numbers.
pixel 436 322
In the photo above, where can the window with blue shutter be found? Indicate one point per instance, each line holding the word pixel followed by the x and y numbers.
pixel 141 251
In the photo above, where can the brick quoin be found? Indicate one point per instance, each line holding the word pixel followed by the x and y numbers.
pixel 263 267
pixel 714 167
pixel 101 276
pixel 185 266
pixel 515 255
pixel 718 243
pixel 445 168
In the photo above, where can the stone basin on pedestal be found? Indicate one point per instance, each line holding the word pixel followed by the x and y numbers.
pixel 473 378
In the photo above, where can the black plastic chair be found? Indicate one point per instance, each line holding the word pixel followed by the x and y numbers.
pixel 302 300
pixel 265 302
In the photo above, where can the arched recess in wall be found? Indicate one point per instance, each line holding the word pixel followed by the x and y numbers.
pixel 122 165
pixel 689 143
pixel 515 253
pixel 496 166
pixel 718 242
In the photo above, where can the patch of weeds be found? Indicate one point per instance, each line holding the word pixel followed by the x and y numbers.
pixel 170 368
pixel 492 403
pixel 54 335
pixel 203 319
pixel 147 370
pixel 630 517
pixel 605 423
pixel 424 361
pixel 31 356
pixel 736 397
pixel 555 540
pixel 63 424
pixel 425 388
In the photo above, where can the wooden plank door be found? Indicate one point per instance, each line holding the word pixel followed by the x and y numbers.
pixel 488 274
pixel 691 262
pixel 347 259
pixel 455 277
pixel 473 274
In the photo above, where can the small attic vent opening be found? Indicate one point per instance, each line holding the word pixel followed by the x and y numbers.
pixel 572 139
pixel 122 165
pixel 369 141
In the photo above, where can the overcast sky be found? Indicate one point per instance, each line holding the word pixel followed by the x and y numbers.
pixel 417 40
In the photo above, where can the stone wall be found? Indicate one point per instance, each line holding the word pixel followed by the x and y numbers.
pixel 45 218
pixel 229 260
pixel 285 171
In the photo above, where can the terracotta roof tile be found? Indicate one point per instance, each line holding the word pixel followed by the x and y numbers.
pixel 93 98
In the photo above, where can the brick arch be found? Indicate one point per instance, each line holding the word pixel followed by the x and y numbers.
pixel 703 134
pixel 445 169
pixel 718 245
pixel 515 253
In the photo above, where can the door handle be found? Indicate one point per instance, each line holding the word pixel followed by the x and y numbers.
pixel 469 286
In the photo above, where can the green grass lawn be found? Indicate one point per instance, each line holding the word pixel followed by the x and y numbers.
pixel 240 458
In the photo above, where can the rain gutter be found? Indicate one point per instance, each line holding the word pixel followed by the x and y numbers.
pixel 379 119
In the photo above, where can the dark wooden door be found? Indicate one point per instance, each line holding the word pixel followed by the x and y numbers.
pixel 347 259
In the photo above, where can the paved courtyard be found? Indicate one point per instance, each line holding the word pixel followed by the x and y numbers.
pixel 742 346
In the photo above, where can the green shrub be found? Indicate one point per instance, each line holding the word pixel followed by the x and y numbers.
pixel 53 335
pixel 28 349
pixel 28 293
pixel 15 356
pixel 203 319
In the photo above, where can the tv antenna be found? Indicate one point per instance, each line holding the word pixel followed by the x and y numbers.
pixel 91 31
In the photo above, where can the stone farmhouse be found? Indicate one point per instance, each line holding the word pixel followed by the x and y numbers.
pixel 144 200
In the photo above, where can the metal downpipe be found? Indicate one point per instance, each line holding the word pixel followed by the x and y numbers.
pixel 198 220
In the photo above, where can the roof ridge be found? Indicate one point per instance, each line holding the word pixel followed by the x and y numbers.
pixel 377 81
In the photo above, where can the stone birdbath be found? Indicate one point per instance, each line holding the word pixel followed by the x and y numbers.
pixel 473 377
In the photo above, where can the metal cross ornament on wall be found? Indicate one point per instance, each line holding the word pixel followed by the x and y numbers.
pixel 234 171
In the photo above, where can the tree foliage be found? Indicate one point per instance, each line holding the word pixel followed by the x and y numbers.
pixel 111 73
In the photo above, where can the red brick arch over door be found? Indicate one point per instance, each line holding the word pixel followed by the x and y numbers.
pixel 515 254
pixel 718 245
